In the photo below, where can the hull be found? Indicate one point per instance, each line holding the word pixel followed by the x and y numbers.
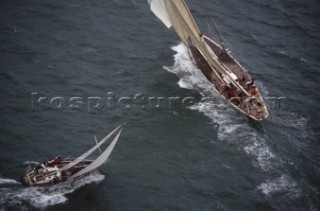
pixel 49 175
pixel 252 105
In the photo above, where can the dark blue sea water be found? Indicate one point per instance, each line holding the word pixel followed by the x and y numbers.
pixel 73 69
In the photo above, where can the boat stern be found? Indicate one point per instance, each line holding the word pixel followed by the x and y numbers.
pixel 26 181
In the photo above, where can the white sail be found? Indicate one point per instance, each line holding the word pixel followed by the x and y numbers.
pixel 101 159
pixel 159 9
pixel 86 154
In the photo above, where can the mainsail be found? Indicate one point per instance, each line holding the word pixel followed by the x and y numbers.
pixel 86 154
pixel 101 159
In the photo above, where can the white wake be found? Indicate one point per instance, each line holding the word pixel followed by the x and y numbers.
pixel 230 124
pixel 41 197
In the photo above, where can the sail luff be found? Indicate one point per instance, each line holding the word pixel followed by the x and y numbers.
pixel 101 159
pixel 191 17
pixel 178 12
pixel 87 153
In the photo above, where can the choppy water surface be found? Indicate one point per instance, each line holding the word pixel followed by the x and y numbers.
pixel 199 155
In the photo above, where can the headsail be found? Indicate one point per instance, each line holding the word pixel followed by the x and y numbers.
pixel 159 9
pixel 101 159
pixel 86 154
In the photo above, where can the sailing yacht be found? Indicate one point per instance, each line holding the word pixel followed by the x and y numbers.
pixel 59 170
pixel 220 68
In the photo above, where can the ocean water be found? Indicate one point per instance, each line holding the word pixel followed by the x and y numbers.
pixel 71 69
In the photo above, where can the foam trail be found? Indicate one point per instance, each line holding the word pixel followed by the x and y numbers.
pixel 229 121
pixel 42 197
pixel 4 181
pixel 230 124
pixel 282 184
pixel 31 162
pixel 190 76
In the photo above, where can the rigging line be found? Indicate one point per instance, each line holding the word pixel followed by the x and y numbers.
pixel 95 138
pixel 214 25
